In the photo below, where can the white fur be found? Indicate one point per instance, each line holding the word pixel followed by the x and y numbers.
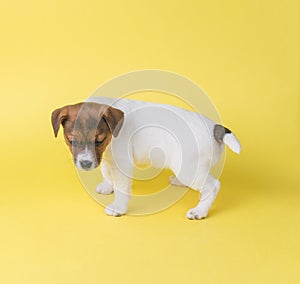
pixel 231 141
pixel 166 137
pixel 85 155
pixel 104 188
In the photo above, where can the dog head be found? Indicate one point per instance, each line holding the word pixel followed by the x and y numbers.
pixel 88 130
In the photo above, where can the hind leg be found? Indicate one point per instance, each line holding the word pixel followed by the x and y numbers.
pixel 209 192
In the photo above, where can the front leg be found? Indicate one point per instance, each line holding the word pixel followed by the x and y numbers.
pixel 106 186
pixel 122 191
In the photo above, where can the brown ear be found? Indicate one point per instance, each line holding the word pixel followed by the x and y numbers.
pixel 114 119
pixel 58 117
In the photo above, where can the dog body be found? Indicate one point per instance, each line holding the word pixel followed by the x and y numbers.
pixel 161 135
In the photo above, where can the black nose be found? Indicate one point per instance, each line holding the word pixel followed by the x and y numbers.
pixel 86 164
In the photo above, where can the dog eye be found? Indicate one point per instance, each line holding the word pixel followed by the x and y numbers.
pixel 98 143
pixel 74 143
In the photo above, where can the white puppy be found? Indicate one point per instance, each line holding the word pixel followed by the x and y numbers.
pixel 135 132
pixel 189 143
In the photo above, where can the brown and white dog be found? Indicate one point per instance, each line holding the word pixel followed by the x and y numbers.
pixel 128 131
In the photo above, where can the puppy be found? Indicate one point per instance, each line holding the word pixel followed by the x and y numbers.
pixel 130 132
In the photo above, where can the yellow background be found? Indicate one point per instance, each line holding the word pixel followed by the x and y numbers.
pixel 245 54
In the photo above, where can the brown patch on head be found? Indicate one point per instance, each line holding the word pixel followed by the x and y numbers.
pixel 88 126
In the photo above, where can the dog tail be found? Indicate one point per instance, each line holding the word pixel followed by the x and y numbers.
pixel 224 135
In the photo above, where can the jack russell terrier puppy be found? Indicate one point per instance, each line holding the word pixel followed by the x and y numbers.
pixel 128 131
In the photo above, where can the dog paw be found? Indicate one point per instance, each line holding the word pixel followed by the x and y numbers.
pixel 174 181
pixel 104 188
pixel 196 213
pixel 115 210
